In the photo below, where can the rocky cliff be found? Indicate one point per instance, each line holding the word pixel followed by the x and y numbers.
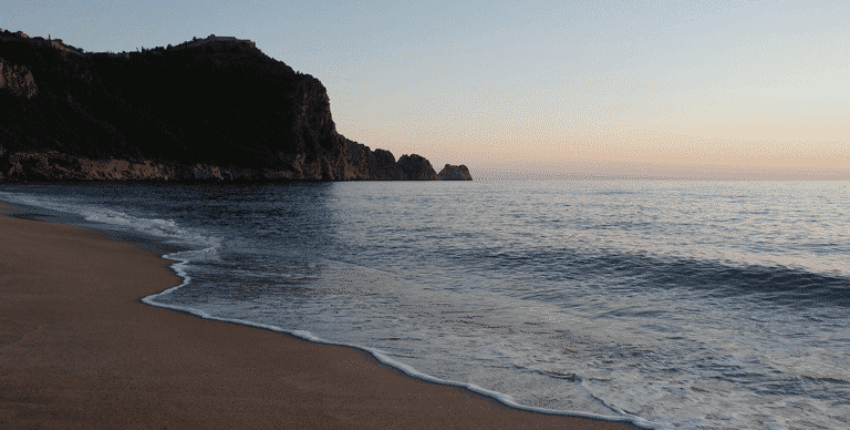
pixel 214 109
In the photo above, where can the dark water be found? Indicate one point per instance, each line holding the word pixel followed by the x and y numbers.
pixel 686 305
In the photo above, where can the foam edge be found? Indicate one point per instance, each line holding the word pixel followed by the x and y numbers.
pixel 505 399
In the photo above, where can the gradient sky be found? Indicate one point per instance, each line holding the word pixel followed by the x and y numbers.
pixel 711 88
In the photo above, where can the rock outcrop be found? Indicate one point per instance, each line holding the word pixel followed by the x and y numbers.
pixel 214 109
pixel 416 168
pixel 17 80
pixel 454 173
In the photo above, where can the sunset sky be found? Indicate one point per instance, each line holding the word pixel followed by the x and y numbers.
pixel 712 88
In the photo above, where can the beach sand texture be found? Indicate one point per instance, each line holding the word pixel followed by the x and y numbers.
pixel 78 350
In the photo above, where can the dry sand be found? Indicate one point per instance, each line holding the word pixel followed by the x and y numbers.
pixel 79 350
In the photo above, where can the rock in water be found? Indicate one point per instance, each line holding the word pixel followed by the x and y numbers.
pixel 416 168
pixel 454 173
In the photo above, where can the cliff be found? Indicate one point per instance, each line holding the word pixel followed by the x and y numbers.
pixel 214 109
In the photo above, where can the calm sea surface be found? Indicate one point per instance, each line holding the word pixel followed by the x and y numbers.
pixel 675 305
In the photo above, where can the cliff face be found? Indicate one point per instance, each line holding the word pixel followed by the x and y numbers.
pixel 17 80
pixel 214 109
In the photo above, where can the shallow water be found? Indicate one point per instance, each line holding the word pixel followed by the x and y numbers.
pixel 688 305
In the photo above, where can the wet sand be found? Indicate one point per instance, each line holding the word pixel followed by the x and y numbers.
pixel 78 350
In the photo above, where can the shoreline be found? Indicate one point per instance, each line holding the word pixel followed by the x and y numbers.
pixel 79 349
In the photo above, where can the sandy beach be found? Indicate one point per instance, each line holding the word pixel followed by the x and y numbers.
pixel 79 350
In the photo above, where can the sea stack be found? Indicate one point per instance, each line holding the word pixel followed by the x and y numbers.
pixel 416 168
pixel 454 173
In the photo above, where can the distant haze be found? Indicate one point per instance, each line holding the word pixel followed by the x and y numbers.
pixel 745 89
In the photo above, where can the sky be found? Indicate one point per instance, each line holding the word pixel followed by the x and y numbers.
pixel 717 88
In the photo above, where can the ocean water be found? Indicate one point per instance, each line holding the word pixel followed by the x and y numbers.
pixel 670 305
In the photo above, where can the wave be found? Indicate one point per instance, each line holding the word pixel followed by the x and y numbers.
pixel 179 269
pixel 166 230
pixel 775 285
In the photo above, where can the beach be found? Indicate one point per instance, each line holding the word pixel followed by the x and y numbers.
pixel 79 350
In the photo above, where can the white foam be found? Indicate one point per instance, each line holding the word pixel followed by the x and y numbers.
pixel 166 230
pixel 505 399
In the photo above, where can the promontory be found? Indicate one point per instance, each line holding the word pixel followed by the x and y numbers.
pixel 213 109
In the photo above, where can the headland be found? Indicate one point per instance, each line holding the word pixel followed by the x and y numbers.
pixel 215 109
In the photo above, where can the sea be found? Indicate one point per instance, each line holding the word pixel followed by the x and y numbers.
pixel 664 304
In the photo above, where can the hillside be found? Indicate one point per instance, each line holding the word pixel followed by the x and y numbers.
pixel 213 109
